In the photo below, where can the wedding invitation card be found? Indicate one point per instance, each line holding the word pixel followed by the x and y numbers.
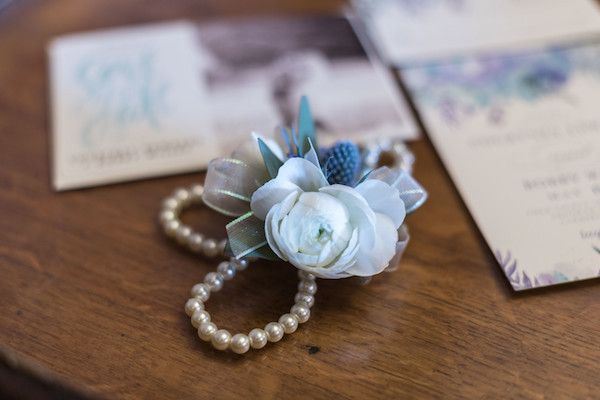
pixel 520 135
pixel 408 31
pixel 161 99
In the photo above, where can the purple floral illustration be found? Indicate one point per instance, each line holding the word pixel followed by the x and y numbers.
pixel 520 280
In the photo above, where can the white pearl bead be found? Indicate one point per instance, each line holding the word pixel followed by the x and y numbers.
pixel 171 227
pixel 308 287
pixel 307 299
pixel 206 331
pixel 240 265
pixel 196 192
pixel 210 248
pixel 226 270
pixel 240 343
pixel 258 338
pixel 195 242
pixel 214 280
pixel 301 311
pixel 170 204
pixel 167 216
pixel 200 317
pixel 192 305
pixel 289 323
pixel 182 234
pixel 201 291
pixel 221 339
pixel 274 331
pixel 182 195
pixel 307 276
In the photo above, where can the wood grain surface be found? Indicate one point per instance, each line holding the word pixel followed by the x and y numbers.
pixel 92 294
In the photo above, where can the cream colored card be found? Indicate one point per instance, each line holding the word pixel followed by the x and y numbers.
pixel 520 136
pixel 126 104
pixel 409 31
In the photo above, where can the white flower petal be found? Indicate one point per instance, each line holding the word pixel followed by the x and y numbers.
pixel 303 173
pixel 276 213
pixel 327 255
pixel 337 269
pixel 269 194
pixel 372 260
pixel 383 198
pixel 271 233
pixel 361 215
pixel 309 260
pixel 348 257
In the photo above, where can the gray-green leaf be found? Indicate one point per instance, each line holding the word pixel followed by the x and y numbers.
pixel 272 162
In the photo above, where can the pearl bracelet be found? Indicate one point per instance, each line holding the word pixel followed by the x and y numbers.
pixel 222 339
pixel 183 234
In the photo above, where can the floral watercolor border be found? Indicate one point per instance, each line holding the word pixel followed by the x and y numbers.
pixel 520 280
pixel 465 86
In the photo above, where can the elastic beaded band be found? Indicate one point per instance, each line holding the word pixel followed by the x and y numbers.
pixel 222 339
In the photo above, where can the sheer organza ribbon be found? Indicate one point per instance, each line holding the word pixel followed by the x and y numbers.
pixel 228 189
pixel 229 185
pixel 412 194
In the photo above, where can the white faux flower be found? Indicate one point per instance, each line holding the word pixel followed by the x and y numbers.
pixel 332 231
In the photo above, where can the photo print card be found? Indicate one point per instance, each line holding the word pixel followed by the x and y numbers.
pixel 256 69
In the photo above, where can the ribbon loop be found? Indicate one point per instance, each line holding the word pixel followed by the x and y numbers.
pixel 247 237
pixel 229 185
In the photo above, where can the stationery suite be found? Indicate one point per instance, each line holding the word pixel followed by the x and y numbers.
pixel 520 135
pixel 161 99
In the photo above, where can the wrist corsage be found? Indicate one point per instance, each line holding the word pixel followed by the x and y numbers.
pixel 331 212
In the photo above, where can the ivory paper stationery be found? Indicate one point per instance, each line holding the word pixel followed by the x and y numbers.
pixel 520 136
pixel 127 104
pixel 161 99
pixel 407 31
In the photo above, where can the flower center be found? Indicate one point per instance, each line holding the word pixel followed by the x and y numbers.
pixel 324 233
pixel 314 236
pixel 317 225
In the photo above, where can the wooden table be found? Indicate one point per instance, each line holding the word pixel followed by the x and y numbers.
pixel 91 293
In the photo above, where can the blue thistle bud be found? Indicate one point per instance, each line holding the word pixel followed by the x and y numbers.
pixel 342 163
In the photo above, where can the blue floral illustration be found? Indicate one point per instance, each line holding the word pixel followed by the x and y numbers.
pixel 117 93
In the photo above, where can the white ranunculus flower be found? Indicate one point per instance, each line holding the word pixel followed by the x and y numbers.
pixel 332 231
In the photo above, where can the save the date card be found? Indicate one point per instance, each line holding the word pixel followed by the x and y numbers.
pixel 520 135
